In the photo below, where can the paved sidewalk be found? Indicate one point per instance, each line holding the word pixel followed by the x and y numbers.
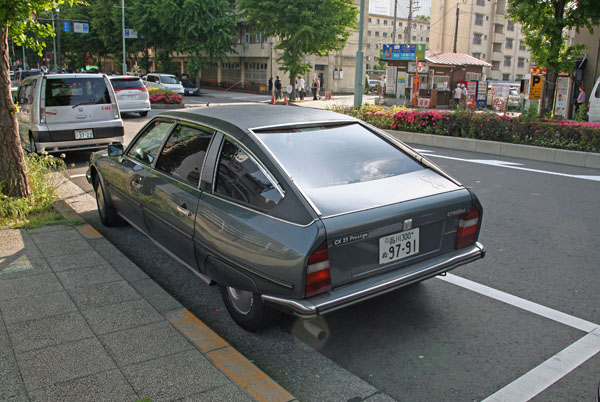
pixel 80 322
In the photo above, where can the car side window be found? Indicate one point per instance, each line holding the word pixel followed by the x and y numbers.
pixel 240 178
pixel 183 153
pixel 147 145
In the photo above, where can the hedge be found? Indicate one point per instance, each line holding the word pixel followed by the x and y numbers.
pixel 551 133
pixel 164 96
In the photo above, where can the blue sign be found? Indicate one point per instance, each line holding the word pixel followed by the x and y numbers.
pixel 403 52
pixel 81 27
pixel 66 26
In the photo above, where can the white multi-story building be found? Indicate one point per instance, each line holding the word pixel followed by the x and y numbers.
pixel 483 32
pixel 380 31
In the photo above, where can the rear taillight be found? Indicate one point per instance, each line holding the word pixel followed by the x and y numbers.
pixel 42 115
pixel 318 277
pixel 467 227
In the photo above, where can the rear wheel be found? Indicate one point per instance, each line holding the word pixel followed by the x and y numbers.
pixel 143 114
pixel 247 309
pixel 32 146
pixel 108 214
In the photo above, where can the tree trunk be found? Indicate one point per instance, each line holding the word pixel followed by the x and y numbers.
pixel 13 178
pixel 293 84
pixel 548 91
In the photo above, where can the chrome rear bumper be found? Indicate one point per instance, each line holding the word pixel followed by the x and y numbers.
pixel 377 285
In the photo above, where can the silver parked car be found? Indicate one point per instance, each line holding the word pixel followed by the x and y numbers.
pixel 68 112
pixel 163 81
pixel 287 209
pixel 132 94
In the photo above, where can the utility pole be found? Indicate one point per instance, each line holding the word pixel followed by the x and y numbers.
pixel 358 78
pixel 395 20
pixel 456 29
pixel 123 32
pixel 410 13
pixel 59 28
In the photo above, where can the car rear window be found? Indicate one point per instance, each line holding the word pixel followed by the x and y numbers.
pixel 126 83
pixel 76 91
pixel 318 157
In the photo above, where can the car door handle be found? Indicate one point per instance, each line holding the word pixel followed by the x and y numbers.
pixel 182 209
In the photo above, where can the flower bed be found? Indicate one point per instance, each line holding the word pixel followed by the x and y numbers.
pixel 164 96
pixel 562 134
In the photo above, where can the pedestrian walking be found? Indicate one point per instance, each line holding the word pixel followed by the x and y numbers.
pixel 270 87
pixel 580 99
pixel 316 85
pixel 277 88
pixel 464 95
pixel 302 87
pixel 457 95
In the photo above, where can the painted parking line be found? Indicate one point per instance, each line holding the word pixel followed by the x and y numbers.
pixel 508 165
pixel 552 370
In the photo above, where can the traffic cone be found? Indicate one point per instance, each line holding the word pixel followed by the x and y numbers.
pixel 285 100
pixel 272 99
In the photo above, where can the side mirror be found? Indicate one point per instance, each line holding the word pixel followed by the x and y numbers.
pixel 115 150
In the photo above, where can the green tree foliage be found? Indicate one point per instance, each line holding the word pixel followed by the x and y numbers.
pixel 17 20
pixel 545 26
pixel 302 27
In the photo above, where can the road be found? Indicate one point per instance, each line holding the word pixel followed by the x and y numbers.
pixel 516 322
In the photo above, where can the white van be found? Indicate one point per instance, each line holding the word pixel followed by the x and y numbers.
pixel 68 112
pixel 163 81
pixel 594 103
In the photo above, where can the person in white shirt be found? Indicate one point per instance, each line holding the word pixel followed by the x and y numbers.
pixel 457 95
pixel 302 84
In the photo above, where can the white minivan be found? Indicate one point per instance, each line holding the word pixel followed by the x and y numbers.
pixel 594 103
pixel 163 81
pixel 68 112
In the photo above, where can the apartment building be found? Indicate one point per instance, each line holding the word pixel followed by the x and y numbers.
pixel 380 31
pixel 255 60
pixel 484 31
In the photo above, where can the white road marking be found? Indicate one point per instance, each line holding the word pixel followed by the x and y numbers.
pixel 508 165
pixel 543 376
pixel 523 304
pixel 72 176
pixel 552 370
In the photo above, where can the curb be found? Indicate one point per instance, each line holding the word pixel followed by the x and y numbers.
pixel 214 348
pixel 168 106
pixel 573 158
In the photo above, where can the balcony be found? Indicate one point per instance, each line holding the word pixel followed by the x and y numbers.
pixel 253 50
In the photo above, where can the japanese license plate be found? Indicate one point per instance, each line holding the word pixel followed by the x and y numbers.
pixel 398 246
pixel 84 134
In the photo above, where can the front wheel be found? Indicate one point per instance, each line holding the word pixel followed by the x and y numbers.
pixel 247 309
pixel 108 214
pixel 143 114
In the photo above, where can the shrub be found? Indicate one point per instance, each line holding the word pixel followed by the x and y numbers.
pixel 552 133
pixel 164 96
pixel 43 190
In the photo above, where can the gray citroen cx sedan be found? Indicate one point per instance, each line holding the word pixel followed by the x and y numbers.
pixel 287 208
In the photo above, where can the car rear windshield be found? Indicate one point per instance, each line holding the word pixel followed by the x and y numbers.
pixel 76 91
pixel 168 79
pixel 126 83
pixel 329 156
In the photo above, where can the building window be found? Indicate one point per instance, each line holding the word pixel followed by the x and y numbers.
pixel 497 48
pixel 507 61
pixel 519 77
pixel 472 76
pixel 498 28
pixel 385 34
pixel 378 21
pixel 376 33
pixel 400 23
pixel 369 20
pixel 368 46
pixel 477 55
pixel 480 2
pixel 509 43
pixel 385 22
pixel 414 37
pixel 505 77
pixel 510 26
pixel 477 39
pixel 478 19
pixel 368 33
pixel 376 46
pixel 522 45
pixel 427 40
pixel 521 62
pixel 495 65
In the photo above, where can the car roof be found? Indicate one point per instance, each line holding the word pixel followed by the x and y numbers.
pixel 129 77
pixel 75 75
pixel 241 118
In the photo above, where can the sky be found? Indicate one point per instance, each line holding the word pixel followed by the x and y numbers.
pixel 386 7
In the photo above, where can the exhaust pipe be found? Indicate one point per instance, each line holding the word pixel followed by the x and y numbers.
pixel 315 330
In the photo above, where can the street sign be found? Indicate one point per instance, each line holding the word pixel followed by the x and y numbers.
pixel 81 27
pixel 67 26
pixel 404 52
pixel 535 88
pixel 34 16
pixel 130 34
